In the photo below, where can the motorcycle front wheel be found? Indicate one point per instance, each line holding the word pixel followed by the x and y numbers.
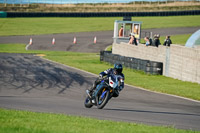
pixel 102 98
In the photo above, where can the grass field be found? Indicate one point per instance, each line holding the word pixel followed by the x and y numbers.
pixel 36 26
pixel 176 39
pixel 12 121
pixel 90 62
pixel 25 122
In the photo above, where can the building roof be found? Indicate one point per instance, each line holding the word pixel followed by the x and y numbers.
pixel 194 40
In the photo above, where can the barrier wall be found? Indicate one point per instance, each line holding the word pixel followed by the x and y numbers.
pixel 179 62
pixel 101 14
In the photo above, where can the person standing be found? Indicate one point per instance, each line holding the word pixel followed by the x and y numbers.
pixel 147 41
pixel 167 41
pixel 132 40
pixel 121 30
pixel 156 40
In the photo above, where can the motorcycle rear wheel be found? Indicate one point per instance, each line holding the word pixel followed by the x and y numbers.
pixel 88 103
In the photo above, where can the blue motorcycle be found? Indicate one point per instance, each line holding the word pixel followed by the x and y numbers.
pixel 105 90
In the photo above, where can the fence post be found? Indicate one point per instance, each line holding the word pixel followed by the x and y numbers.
pixel 167 61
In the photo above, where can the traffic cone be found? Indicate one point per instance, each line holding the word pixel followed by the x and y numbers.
pixel 74 40
pixel 53 41
pixel 31 41
pixel 95 40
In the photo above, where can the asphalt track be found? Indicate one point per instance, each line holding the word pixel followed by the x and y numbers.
pixel 85 40
pixel 28 82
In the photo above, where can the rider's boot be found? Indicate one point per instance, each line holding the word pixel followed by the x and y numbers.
pixel 90 91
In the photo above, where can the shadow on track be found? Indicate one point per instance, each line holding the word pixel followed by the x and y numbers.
pixel 28 72
pixel 154 112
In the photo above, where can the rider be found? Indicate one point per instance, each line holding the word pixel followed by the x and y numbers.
pixel 117 70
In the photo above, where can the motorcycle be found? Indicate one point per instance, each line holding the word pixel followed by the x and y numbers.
pixel 104 91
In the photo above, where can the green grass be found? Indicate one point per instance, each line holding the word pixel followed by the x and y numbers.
pixel 36 26
pixel 176 39
pixel 26 122
pixel 90 62
pixel 109 48
pixel 12 121
pixel 179 39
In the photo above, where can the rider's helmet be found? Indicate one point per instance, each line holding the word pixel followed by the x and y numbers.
pixel 118 68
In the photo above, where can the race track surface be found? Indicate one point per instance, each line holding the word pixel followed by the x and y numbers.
pixel 85 40
pixel 28 82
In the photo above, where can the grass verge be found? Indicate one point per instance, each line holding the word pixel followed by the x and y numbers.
pixel 179 39
pixel 12 121
pixel 36 26
pixel 176 39
pixel 90 62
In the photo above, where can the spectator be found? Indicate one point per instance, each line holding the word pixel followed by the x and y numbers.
pixel 147 41
pixel 150 41
pixel 121 31
pixel 156 40
pixel 132 40
pixel 167 41
pixel 130 36
pixel 153 41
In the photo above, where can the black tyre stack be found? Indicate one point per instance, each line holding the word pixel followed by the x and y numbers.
pixel 105 56
pixel 154 68
pixel 101 14
pixel 150 67
pixel 101 55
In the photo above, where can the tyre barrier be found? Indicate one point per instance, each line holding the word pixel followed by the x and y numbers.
pixel 149 67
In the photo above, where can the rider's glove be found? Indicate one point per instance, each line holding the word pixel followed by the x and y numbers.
pixel 100 76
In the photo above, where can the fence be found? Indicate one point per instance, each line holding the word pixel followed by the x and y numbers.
pixel 149 67
pixel 103 14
